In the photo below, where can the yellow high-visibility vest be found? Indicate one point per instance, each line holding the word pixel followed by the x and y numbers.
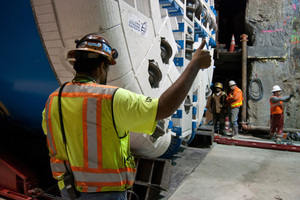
pixel 98 157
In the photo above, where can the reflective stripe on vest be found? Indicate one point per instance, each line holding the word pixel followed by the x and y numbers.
pixel 276 108
pixel 105 175
pixel 236 104
pixel 89 172
pixel 58 168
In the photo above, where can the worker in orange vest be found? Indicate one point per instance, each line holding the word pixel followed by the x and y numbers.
pixel 88 123
pixel 277 112
pixel 234 102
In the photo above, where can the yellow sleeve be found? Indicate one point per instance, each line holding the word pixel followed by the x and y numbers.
pixel 44 125
pixel 134 112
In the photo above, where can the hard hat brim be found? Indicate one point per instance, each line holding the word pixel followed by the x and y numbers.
pixel 71 55
pixel 276 90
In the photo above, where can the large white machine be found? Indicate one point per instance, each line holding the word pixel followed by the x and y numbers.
pixel 155 40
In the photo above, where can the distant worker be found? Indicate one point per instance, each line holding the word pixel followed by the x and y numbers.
pixel 88 126
pixel 277 114
pixel 217 105
pixel 234 102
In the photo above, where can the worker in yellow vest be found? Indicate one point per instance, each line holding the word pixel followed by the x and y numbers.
pixel 277 112
pixel 234 102
pixel 87 122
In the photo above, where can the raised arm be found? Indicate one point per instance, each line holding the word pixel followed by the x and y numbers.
pixel 171 99
pixel 284 99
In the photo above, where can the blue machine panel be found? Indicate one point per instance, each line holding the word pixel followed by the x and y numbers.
pixel 26 77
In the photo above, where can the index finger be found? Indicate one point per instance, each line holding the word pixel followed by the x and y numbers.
pixel 203 43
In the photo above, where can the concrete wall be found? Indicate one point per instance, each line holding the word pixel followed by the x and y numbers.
pixel 273 27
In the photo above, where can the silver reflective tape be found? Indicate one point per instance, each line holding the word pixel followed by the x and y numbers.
pixel 103 177
pixel 58 167
pixel 92 189
pixel 88 89
pixel 277 104
pixel 92 132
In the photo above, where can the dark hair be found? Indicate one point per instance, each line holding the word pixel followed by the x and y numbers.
pixel 88 65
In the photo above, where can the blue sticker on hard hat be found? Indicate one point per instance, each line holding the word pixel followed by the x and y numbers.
pixel 106 48
pixel 81 45
pixel 94 44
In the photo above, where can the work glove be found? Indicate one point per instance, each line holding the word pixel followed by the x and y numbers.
pixel 292 95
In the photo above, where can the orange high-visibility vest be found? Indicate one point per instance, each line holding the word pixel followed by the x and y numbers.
pixel 238 102
pixel 276 108
pixel 99 158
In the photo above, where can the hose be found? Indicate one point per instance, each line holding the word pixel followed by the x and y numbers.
pixel 132 192
pixel 199 8
pixel 253 94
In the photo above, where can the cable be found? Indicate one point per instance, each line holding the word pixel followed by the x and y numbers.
pixel 43 193
pixel 132 192
pixel 253 94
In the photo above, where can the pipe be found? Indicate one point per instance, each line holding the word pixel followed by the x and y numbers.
pixel 257 144
pixel 248 127
pixel 244 75
pixel 245 125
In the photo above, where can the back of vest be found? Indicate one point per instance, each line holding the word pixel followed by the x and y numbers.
pixel 95 152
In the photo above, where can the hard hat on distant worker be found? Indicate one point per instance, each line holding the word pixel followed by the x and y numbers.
pixel 94 45
pixel 276 88
pixel 218 85
pixel 232 83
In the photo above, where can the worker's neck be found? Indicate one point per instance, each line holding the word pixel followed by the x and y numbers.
pixel 86 76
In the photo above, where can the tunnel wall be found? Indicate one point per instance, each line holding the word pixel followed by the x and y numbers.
pixel 273 30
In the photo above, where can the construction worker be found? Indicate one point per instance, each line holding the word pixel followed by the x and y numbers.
pixel 97 119
pixel 217 105
pixel 277 114
pixel 234 102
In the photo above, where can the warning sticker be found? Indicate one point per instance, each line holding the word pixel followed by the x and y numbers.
pixel 138 25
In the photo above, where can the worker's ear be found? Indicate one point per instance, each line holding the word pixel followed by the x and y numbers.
pixel 102 68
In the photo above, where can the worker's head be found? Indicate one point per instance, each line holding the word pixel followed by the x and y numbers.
pixel 93 56
pixel 218 86
pixel 276 90
pixel 232 84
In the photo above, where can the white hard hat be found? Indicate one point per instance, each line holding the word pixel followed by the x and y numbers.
pixel 276 88
pixel 231 83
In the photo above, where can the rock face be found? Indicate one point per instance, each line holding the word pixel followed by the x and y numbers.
pixel 273 24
